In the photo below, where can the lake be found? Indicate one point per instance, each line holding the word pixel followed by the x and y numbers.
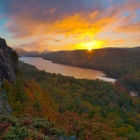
pixel 79 73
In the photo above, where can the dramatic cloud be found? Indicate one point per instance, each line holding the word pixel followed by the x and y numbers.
pixel 71 22
pixel 129 27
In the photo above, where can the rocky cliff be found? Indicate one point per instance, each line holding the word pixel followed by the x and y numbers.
pixel 8 62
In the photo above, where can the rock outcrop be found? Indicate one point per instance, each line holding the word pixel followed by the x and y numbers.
pixel 8 62
pixel 5 108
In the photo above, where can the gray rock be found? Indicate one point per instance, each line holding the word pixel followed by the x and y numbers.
pixel 5 108
pixel 8 69
pixel 8 62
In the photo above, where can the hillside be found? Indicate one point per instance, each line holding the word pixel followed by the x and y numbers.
pixel 22 53
pixel 133 49
pixel 55 107
pixel 76 104
pixel 14 123
pixel 114 62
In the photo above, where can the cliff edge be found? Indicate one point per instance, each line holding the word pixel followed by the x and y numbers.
pixel 8 62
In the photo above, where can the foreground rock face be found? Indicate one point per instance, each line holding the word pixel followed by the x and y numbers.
pixel 5 108
pixel 8 62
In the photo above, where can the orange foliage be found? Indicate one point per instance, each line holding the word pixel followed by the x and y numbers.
pixel 83 127
pixel 39 102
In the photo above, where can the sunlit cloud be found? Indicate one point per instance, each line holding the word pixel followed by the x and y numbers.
pixel 81 25
pixel 95 44
pixel 129 27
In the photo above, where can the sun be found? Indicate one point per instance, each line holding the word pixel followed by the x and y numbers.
pixel 89 49
pixel 95 44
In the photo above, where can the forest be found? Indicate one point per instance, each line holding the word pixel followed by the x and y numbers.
pixel 52 106
pixel 122 64
pixel 70 70
pixel 114 62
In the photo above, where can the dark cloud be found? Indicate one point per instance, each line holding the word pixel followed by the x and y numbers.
pixel 25 16
pixel 41 9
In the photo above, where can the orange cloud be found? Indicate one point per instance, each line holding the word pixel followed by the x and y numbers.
pixel 78 27
pixel 129 27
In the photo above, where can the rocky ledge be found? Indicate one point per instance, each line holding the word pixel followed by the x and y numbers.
pixel 8 62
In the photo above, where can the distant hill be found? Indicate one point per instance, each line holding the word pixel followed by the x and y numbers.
pixel 125 48
pixel 21 52
pixel 133 49
pixel 113 61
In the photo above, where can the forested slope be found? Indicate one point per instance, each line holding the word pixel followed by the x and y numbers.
pixel 84 109
pixel 47 106
pixel 122 64
pixel 114 62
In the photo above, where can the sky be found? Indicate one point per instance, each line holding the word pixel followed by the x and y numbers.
pixel 53 25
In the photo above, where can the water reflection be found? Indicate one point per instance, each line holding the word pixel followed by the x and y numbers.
pixel 65 70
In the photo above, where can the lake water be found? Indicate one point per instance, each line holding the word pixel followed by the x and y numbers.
pixel 79 73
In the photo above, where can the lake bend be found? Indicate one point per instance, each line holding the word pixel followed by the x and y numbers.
pixel 76 72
